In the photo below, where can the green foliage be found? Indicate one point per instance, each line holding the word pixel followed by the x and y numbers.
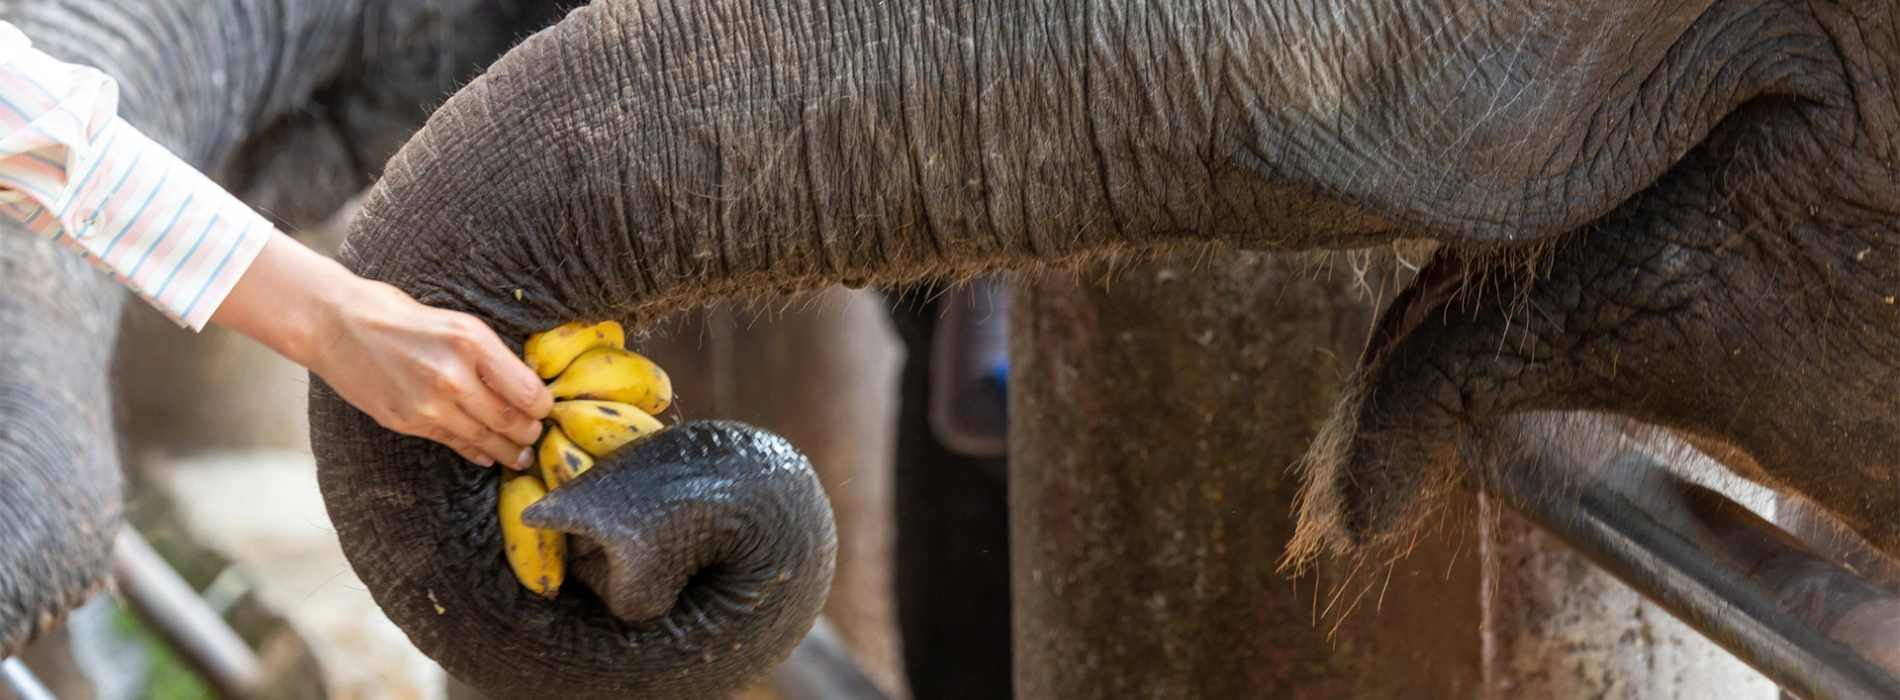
pixel 171 679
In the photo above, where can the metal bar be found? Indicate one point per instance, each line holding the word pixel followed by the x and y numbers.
pixel 183 620
pixel 23 682
pixel 821 668
pixel 1737 579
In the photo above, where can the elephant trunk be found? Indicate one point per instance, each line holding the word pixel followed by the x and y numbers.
pixel 641 157
pixel 56 447
pixel 265 95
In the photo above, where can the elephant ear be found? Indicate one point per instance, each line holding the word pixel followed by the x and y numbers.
pixel 712 541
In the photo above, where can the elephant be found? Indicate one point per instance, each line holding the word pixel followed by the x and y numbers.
pixel 294 105
pixel 1678 211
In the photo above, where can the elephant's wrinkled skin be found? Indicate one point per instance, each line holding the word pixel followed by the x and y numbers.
pixel 292 103
pixel 1678 210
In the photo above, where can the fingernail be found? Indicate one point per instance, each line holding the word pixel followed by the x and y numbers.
pixel 485 461
pixel 525 460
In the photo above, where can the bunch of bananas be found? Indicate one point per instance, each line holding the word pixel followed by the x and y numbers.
pixel 605 398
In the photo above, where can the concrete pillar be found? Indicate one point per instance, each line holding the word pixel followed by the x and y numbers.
pixel 1155 410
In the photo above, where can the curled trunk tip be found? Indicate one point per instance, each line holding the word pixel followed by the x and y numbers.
pixel 715 505
pixel 735 546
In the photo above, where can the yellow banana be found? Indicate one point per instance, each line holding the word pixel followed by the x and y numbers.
pixel 613 374
pixel 600 427
pixel 539 557
pixel 550 352
pixel 561 459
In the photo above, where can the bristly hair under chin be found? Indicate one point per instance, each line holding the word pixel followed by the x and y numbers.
pixel 1320 505
pixel 1360 568
pixel 1328 485
pixel 1326 479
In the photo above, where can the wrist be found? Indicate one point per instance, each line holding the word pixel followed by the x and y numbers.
pixel 325 315
pixel 293 301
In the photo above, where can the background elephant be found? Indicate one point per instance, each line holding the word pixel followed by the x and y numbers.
pixel 293 104
pixel 1657 208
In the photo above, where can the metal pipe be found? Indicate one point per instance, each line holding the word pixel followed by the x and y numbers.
pixel 167 603
pixel 821 668
pixel 1736 578
pixel 22 681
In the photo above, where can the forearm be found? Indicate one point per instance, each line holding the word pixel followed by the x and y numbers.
pixel 289 300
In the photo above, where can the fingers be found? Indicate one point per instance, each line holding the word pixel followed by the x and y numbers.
pixel 438 374
pixel 509 377
pixel 465 434
pixel 460 447
pixel 465 416
pixel 499 416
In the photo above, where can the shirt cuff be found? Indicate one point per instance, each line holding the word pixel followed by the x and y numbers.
pixel 162 228
pixel 82 176
pixel 246 244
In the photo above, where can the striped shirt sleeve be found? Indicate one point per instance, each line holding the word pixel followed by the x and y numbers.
pixel 73 171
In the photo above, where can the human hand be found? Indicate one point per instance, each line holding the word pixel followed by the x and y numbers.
pixel 437 374
pixel 416 369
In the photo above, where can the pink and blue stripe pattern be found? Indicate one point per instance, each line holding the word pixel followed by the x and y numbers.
pixel 72 170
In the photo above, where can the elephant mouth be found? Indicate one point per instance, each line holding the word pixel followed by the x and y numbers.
pixel 1440 281
pixel 1410 421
